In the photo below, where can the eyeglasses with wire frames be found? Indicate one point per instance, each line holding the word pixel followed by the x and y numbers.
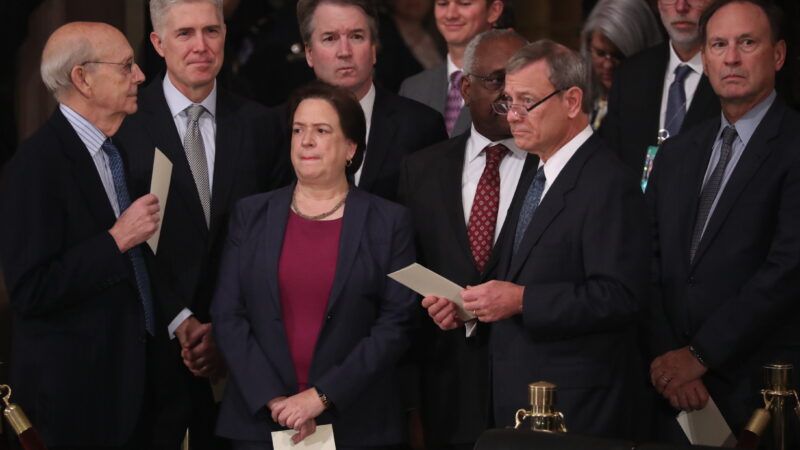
pixel 127 66
pixel 493 82
pixel 503 106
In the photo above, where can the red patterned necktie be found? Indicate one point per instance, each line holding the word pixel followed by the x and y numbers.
pixel 483 216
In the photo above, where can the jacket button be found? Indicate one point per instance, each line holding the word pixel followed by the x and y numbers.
pixel 329 317
pixel 691 281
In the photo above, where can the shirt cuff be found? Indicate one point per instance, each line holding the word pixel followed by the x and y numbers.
pixel 177 321
pixel 470 327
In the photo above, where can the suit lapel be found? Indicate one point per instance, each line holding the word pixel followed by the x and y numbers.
pixel 159 117
pixel 439 88
pixel 450 182
pixel 381 137
pixel 752 157
pixel 551 205
pixel 85 171
pixel 228 145
pixel 354 220
pixel 687 196
pixel 275 230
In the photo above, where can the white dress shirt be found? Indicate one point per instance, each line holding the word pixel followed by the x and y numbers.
pixel 690 83
pixel 474 163
pixel 177 103
pixel 555 164
pixel 367 105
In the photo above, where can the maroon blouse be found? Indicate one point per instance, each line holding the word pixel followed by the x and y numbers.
pixel 306 269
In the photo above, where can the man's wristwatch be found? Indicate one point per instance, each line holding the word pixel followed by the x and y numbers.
pixel 697 355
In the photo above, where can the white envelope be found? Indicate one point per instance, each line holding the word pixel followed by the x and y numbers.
pixel 159 185
pixel 424 281
pixel 322 439
pixel 706 426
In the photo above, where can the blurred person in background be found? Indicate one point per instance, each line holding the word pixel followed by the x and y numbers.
pixel 615 30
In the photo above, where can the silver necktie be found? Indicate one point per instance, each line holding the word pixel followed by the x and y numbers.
pixel 196 155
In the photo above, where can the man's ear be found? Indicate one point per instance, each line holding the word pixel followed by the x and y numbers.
pixel 309 55
pixel 574 98
pixel 78 76
pixel 495 11
pixel 155 39
pixel 465 85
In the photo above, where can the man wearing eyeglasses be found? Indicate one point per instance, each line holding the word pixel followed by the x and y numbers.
pixel 88 344
pixel 573 267
pixel 458 21
pixel 725 200
pixel 459 192
pixel 659 91
pixel 222 147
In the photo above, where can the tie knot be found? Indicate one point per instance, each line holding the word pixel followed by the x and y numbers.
pixel 494 154
pixel 455 78
pixel 109 148
pixel 194 112
pixel 681 72
pixel 729 135
pixel 540 177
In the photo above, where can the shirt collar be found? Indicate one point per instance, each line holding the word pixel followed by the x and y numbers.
pixel 451 67
pixel 480 142
pixel 695 63
pixel 368 103
pixel 178 102
pixel 560 158
pixel 90 135
pixel 747 124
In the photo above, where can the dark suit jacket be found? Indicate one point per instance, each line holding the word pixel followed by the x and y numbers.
pixel 247 161
pixel 737 302
pixel 584 264
pixel 366 329
pixel 399 127
pixel 79 345
pixel 634 105
pixel 430 87
pixel 454 369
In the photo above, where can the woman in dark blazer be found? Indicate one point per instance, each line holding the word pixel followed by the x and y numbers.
pixel 309 325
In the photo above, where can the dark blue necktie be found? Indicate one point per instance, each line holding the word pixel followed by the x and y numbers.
pixel 676 101
pixel 135 253
pixel 532 199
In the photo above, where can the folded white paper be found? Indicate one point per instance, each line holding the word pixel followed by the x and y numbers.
pixel 322 439
pixel 426 282
pixel 159 185
pixel 707 426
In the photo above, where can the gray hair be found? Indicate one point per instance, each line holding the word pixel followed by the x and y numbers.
pixel 567 68
pixel 58 59
pixel 160 8
pixel 470 58
pixel 629 24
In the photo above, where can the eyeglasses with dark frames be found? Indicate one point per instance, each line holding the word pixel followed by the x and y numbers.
pixel 504 105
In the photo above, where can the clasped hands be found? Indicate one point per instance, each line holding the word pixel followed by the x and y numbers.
pixel 298 412
pixel 677 376
pixel 489 302
pixel 198 349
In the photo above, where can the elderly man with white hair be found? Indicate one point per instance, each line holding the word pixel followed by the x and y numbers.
pixel 88 341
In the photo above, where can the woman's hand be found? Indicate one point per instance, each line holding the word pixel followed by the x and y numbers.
pixel 293 412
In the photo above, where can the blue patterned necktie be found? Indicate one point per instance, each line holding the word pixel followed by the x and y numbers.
pixel 532 199
pixel 676 101
pixel 711 189
pixel 135 253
